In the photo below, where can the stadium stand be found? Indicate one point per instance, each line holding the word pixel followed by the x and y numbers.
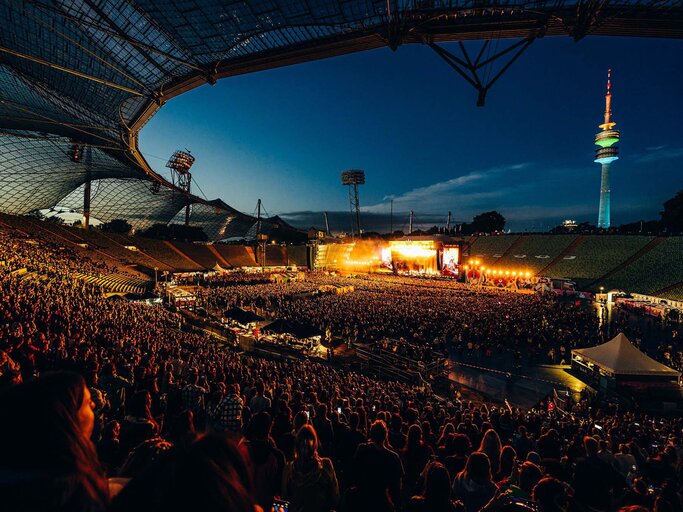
pixel 489 249
pixel 276 255
pixel 237 255
pixel 297 255
pixel 222 262
pixel 596 257
pixel 674 292
pixel 566 252
pixel 162 252
pixel 54 233
pixel 117 283
pixel 534 252
pixel 199 253
pixel 130 241
pixel 659 268
pixel 117 249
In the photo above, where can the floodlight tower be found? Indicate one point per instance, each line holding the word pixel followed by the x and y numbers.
pixel 180 164
pixel 605 154
pixel 352 179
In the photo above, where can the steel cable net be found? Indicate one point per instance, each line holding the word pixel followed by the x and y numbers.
pixel 36 171
pixel 92 72
pixel 217 222
pixel 139 202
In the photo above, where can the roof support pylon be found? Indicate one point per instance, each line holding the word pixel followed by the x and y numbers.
pixel 470 69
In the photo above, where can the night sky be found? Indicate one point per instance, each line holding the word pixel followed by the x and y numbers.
pixel 411 123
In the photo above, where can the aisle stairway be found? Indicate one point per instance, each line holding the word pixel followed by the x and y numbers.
pixel 569 250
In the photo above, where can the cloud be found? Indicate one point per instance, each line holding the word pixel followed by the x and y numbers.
pixel 443 194
pixel 657 153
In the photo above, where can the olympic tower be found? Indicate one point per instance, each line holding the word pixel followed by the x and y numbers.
pixel 605 154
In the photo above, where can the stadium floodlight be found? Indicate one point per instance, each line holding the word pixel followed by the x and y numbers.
pixel 180 164
pixel 352 178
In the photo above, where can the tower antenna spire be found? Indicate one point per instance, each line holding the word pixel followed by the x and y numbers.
pixel 608 98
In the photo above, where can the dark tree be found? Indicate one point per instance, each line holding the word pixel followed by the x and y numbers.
pixel 488 222
pixel 672 215
pixel 117 226
pixel 641 226
pixel 55 219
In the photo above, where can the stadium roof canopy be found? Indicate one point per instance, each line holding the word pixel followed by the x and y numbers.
pixel 91 73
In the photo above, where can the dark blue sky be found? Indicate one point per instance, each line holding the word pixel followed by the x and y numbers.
pixel 411 122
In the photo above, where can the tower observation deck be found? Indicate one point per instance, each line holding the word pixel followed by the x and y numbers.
pixel 605 154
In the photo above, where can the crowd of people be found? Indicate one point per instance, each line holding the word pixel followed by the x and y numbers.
pixel 483 324
pixel 110 405
pixel 488 327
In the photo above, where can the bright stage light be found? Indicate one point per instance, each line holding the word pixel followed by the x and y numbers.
pixel 413 250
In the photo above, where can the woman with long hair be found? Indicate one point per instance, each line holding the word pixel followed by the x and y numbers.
pixel 47 460
pixel 508 463
pixel 474 485
pixel 491 446
pixel 414 456
pixel 211 474
pixel 436 495
pixel 309 482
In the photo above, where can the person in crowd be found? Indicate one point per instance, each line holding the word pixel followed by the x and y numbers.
pixel 182 428
pixel 491 446
pixel 47 460
pixel 397 438
pixel 522 485
pixel 377 474
pixel 108 447
pixel 461 447
pixel 210 474
pixel 259 402
pixel 436 494
pixel 508 464
pixel 548 446
pixel 309 482
pixel 625 461
pixel 414 457
pixel 193 396
pixel 267 460
pixel 552 495
pixel 323 427
pixel 229 412
pixel 114 386
pixel 594 479
pixel 474 485
pixel 138 425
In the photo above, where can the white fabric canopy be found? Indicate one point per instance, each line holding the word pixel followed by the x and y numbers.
pixel 621 357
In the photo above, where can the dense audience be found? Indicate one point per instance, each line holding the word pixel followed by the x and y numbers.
pixel 486 325
pixel 110 405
